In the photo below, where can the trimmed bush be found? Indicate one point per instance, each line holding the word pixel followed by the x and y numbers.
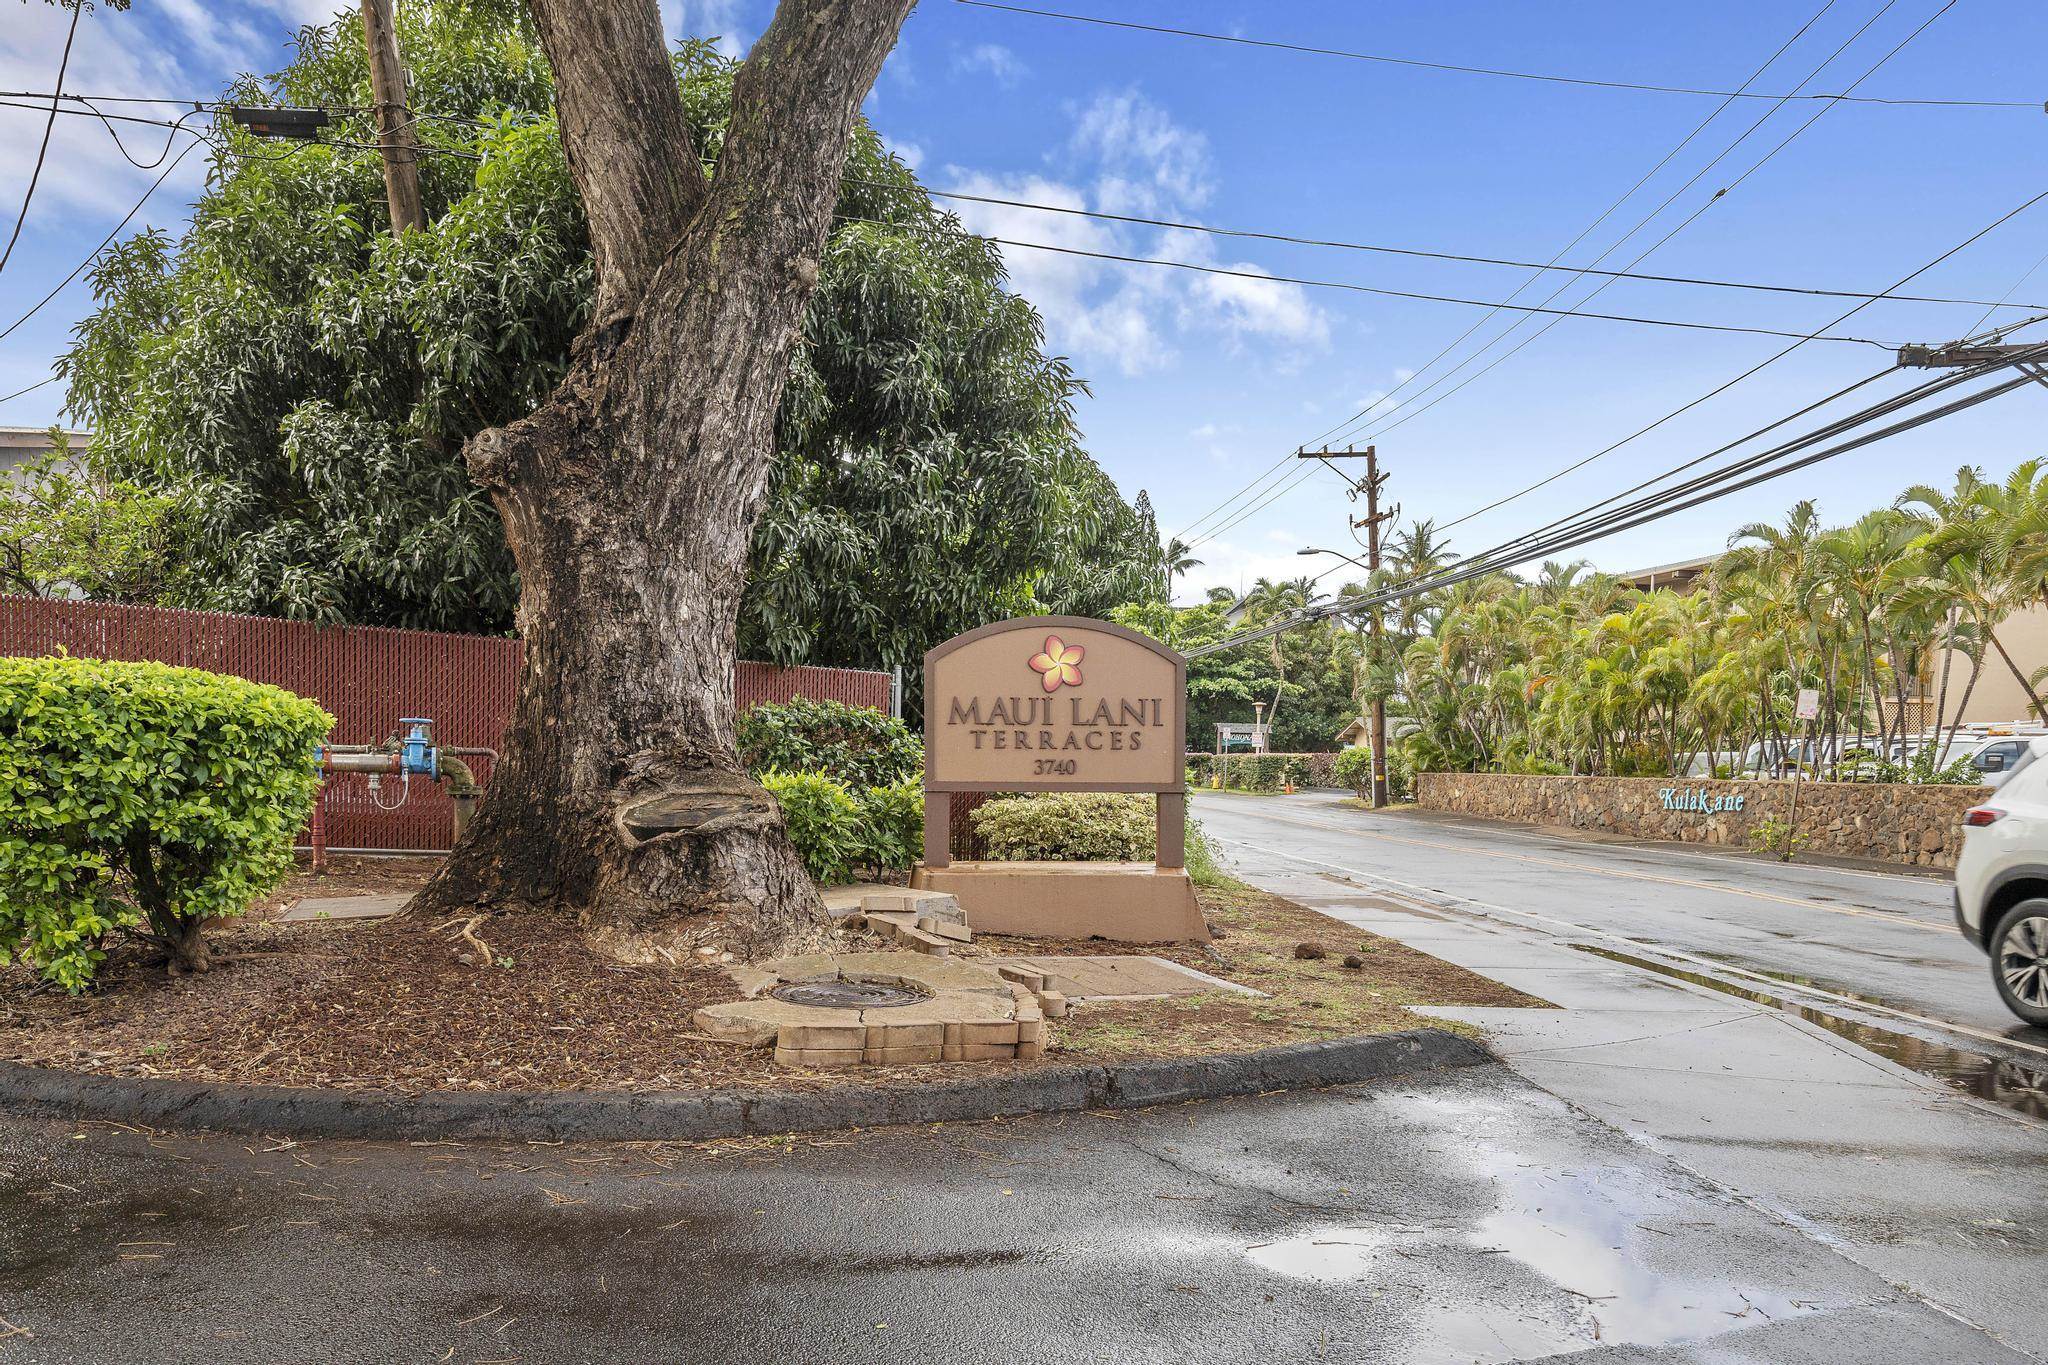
pixel 858 745
pixel 1353 768
pixel 141 798
pixel 1106 827
pixel 823 821
pixel 892 825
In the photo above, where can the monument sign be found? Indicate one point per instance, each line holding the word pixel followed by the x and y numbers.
pixel 1060 703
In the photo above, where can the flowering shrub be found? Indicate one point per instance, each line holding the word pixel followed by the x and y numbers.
pixel 142 798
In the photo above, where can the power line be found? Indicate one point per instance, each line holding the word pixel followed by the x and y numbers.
pixel 1285 461
pixel 1660 505
pixel 63 65
pixel 1264 278
pixel 1719 389
pixel 1265 236
pixel 1683 224
pixel 1604 215
pixel 93 255
pixel 177 125
pixel 10 397
pixel 1545 77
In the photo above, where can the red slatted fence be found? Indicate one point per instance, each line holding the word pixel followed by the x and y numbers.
pixel 367 676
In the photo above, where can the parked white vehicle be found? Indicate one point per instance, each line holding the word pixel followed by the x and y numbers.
pixel 2002 882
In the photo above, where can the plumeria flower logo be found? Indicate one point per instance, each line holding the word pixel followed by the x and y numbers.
pixel 1060 663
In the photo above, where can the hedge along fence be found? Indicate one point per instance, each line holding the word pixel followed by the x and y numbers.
pixel 1917 825
pixel 145 799
pixel 1264 772
pixel 368 676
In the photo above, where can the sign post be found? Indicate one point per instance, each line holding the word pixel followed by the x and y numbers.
pixel 1808 710
pixel 1060 704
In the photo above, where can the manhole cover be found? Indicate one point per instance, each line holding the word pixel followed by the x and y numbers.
pixel 846 995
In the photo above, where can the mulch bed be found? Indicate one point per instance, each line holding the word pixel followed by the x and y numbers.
pixel 392 1005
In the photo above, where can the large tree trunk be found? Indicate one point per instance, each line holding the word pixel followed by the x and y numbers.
pixel 629 498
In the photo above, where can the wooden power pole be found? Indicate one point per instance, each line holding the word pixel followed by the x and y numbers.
pixel 1373 518
pixel 395 140
pixel 1372 521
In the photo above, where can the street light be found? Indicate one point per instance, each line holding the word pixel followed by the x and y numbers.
pixel 1339 553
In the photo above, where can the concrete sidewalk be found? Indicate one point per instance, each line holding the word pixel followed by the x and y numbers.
pixel 1932 1190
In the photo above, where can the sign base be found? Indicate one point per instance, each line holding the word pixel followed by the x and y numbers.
pixel 1123 902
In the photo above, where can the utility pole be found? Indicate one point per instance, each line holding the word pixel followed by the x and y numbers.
pixel 395 140
pixel 1372 521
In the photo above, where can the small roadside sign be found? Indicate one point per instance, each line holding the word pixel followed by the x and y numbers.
pixel 1809 703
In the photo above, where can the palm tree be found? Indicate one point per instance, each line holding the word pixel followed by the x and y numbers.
pixel 1178 561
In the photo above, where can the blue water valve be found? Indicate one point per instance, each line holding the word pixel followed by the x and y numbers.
pixel 418 753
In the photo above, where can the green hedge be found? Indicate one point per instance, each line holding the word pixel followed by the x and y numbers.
pixel 858 745
pixel 1066 827
pixel 144 798
pixel 1111 827
pixel 1264 772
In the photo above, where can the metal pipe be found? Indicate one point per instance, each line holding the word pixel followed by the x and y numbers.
pixel 319 826
pixel 364 762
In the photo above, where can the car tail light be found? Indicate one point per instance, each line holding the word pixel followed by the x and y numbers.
pixel 1979 816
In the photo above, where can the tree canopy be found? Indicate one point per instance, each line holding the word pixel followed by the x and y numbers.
pixel 304 383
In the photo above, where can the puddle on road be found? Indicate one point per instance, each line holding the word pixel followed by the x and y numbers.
pixel 1597 1233
pixel 2013 1085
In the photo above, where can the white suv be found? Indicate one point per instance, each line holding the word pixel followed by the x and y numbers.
pixel 2002 883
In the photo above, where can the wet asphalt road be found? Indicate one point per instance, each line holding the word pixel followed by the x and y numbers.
pixel 1658 1172
pixel 1889 937
pixel 1467 1216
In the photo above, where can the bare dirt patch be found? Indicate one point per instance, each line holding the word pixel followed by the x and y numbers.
pixel 392 1004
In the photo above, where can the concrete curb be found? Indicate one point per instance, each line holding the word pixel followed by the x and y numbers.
pixel 697 1116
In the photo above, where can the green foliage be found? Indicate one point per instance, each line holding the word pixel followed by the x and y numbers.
pixel 858 745
pixel 1774 836
pixel 823 820
pixel 71 524
pixel 1110 827
pixel 1304 679
pixel 892 825
pixel 310 381
pixel 1253 772
pixel 1354 769
pixel 1201 860
pixel 136 794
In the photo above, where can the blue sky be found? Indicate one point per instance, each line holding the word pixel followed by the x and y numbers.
pixel 1200 383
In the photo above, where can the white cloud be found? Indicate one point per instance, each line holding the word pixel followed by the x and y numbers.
pixel 83 171
pixel 1092 307
pixel 1126 153
pixel 1001 64
pixel 1147 160
pixel 719 19
pixel 910 153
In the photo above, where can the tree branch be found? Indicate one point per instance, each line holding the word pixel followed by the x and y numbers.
pixel 628 144
pixel 794 104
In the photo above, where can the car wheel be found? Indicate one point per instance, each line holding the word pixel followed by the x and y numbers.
pixel 2019 960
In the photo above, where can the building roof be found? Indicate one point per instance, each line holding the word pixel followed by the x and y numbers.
pixel 1674 574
